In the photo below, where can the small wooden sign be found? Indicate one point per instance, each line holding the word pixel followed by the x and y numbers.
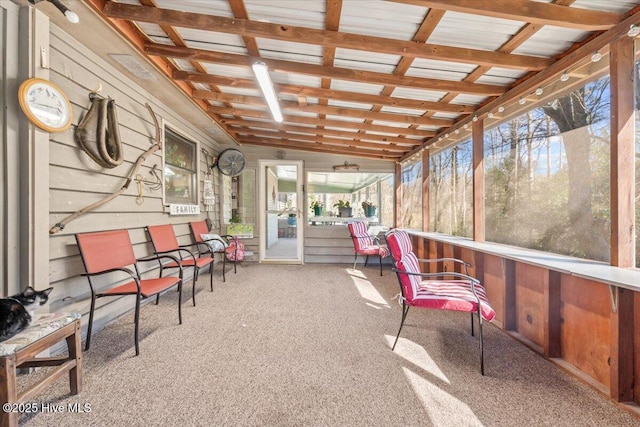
pixel 177 209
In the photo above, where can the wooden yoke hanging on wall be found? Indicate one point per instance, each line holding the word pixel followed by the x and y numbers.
pixel 141 159
pixel 98 134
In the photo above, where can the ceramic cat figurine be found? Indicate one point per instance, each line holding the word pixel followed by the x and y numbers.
pixel 17 311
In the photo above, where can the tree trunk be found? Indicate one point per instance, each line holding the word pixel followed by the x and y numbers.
pixel 572 120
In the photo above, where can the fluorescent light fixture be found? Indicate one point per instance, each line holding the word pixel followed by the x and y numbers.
pixel 262 75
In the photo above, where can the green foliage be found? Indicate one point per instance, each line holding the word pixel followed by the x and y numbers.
pixel 342 204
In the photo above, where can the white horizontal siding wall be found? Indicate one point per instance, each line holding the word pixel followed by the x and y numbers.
pixel 76 181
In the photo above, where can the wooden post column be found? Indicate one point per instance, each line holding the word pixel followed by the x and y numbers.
pixel 478 180
pixel 622 67
pixel 425 190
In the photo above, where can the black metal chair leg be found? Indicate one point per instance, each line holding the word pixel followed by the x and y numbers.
pixel 224 267
pixel 380 265
pixel 472 334
pixel 355 260
pixel 366 260
pixel 137 323
pixel 405 310
pixel 211 276
pixel 180 302
pixel 87 344
pixel 481 344
pixel 196 272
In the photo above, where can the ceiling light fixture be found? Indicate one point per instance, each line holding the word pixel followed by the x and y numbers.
pixel 522 101
pixel 634 31
pixel 262 75
pixel 597 56
pixel 539 91
pixel 71 16
pixel 475 118
pixel 346 167
pixel 490 115
pixel 564 77
pixel 500 109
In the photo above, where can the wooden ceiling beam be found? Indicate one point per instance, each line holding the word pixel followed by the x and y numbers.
pixel 363 114
pixel 349 74
pixel 299 90
pixel 324 131
pixel 321 148
pixel 245 27
pixel 338 142
pixel 528 11
pixel 314 121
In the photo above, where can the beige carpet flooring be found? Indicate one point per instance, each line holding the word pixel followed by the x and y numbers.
pixel 280 345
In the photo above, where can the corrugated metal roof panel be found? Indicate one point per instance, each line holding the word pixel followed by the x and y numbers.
pixel 213 7
pixel 308 13
pixel 228 70
pixel 421 94
pixel 381 19
pixel 474 31
pixel 299 52
pixel 357 87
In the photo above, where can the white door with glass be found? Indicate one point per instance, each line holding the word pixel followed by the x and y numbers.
pixel 281 211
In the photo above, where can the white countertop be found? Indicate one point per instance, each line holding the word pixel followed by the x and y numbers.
pixel 628 278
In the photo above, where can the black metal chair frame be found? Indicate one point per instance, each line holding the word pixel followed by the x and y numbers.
pixel 444 275
pixel 136 277
pixel 179 260
pixel 222 252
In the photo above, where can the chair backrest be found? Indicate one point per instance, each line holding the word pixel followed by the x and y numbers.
pixel 405 260
pixel 104 250
pixel 359 235
pixel 400 244
pixel 163 238
pixel 198 228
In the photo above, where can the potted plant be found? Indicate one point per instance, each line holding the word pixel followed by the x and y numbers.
pixel 369 209
pixel 317 208
pixel 344 208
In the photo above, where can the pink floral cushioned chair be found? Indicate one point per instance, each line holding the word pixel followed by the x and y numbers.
pixel 364 244
pixel 445 290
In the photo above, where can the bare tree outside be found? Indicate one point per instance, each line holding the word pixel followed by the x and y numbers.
pixel 411 215
pixel 547 176
pixel 451 190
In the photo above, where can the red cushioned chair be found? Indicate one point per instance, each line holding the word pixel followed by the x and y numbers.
pixel 447 290
pixel 364 244
pixel 228 249
pixel 164 241
pixel 109 252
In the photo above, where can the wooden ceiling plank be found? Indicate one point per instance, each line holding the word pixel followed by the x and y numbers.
pixel 324 131
pixel 157 49
pixel 321 109
pixel 322 148
pixel 392 130
pixel 299 90
pixel 313 138
pixel 244 27
pixel 528 11
pixel 285 146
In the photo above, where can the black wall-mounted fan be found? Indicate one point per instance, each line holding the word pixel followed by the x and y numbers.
pixel 230 162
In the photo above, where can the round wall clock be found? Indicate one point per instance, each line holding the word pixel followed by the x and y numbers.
pixel 45 105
